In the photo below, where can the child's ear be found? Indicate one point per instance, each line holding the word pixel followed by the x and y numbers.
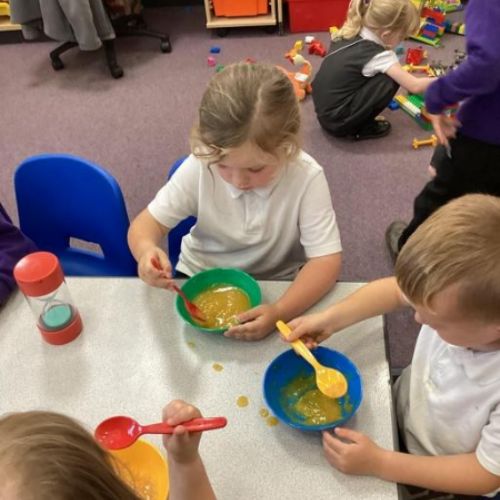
pixel 384 35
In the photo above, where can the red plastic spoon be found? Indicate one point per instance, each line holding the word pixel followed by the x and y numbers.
pixel 119 432
pixel 192 308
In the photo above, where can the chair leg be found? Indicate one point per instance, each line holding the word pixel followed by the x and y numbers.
pixel 56 61
pixel 134 25
pixel 114 68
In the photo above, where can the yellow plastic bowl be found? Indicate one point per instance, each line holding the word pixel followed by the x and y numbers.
pixel 143 467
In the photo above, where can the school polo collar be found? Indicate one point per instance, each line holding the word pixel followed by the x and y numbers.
pixel 368 34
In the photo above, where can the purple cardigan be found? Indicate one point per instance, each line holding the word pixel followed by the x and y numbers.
pixel 477 80
pixel 13 246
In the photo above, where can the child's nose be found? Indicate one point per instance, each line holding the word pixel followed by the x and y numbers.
pixel 240 179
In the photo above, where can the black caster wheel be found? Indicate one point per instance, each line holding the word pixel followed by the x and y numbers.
pixel 57 64
pixel 222 32
pixel 116 71
pixel 165 46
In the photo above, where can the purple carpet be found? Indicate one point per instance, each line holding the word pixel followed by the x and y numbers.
pixel 137 126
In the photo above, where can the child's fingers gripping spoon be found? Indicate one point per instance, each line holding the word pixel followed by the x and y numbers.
pixel 119 432
pixel 330 382
pixel 192 308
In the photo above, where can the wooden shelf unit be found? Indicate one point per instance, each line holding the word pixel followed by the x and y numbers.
pixel 275 17
pixel 6 25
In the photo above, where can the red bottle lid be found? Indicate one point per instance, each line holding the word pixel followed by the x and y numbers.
pixel 38 274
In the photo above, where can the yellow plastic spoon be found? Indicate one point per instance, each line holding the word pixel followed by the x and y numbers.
pixel 330 382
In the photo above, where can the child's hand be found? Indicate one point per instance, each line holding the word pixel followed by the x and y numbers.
pixel 256 323
pixel 353 453
pixel 445 127
pixel 155 269
pixel 311 329
pixel 182 446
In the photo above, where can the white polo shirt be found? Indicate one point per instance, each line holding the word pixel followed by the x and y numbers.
pixel 448 401
pixel 269 232
pixel 382 61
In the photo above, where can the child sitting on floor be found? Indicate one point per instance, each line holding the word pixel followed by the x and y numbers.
pixel 361 72
pixel 48 456
pixel 262 204
pixel 448 399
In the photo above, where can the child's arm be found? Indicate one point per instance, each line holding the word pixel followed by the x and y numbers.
pixel 144 238
pixel 407 80
pixel 375 298
pixel 13 246
pixel 312 282
pixel 479 74
pixel 355 453
pixel 188 477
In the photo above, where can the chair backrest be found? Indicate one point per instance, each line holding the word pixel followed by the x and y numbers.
pixel 62 196
pixel 176 234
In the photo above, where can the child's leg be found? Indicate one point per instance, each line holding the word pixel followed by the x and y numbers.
pixel 474 167
pixel 364 106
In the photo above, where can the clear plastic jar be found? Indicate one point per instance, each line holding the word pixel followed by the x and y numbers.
pixel 41 279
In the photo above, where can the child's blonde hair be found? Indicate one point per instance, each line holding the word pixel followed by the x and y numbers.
pixel 380 15
pixel 48 456
pixel 458 244
pixel 247 102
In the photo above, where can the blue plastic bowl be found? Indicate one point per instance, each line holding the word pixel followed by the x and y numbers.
pixel 288 366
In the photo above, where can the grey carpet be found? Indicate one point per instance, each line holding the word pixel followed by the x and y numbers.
pixel 135 127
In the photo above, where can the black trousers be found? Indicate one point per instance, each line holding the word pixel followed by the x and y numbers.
pixel 365 105
pixel 474 167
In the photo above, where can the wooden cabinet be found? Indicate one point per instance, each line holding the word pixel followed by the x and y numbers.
pixel 5 24
pixel 273 18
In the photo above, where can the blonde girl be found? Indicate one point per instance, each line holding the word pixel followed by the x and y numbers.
pixel 48 456
pixel 361 73
pixel 262 204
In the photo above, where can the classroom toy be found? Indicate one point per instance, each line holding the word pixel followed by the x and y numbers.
pixel 413 105
pixel 40 277
pixel 215 49
pixel 301 79
pixel 455 28
pixel 293 52
pixel 415 56
pixel 211 61
pixel 316 47
pixel 298 45
pixel 426 68
pixel 219 68
pixel 393 105
pixel 333 30
pixel 309 39
pixel 432 22
pixel 431 141
pixel 400 50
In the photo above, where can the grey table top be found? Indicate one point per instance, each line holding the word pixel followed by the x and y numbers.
pixel 135 354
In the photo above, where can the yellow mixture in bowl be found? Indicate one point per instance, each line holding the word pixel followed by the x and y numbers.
pixel 303 402
pixel 220 305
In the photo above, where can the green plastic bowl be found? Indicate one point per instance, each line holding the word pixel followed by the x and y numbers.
pixel 217 276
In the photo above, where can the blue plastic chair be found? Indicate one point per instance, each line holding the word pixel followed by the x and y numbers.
pixel 176 234
pixel 62 196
